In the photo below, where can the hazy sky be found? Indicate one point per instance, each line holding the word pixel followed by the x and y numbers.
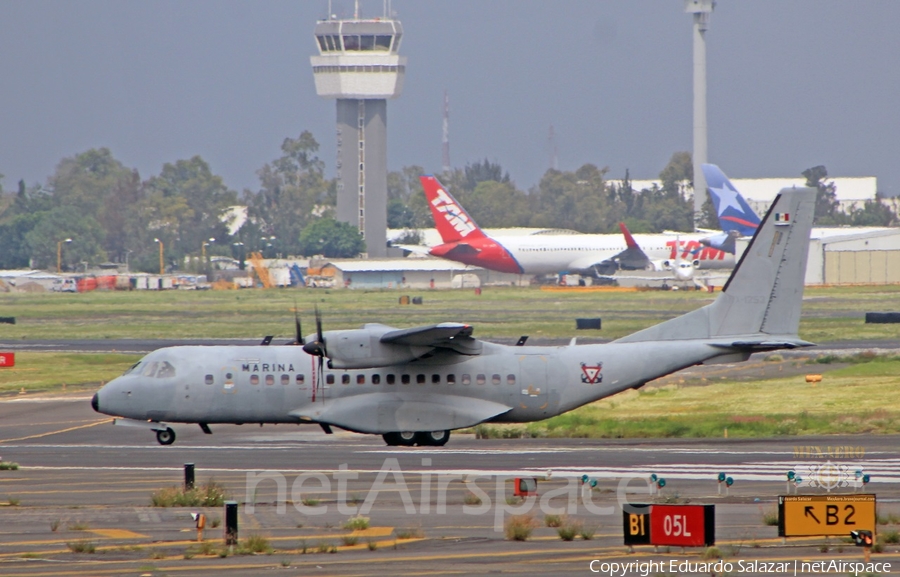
pixel 792 84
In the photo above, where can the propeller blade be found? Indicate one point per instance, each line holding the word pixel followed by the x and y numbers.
pixel 320 336
pixel 299 331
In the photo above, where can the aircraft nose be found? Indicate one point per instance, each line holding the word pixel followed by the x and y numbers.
pixel 95 402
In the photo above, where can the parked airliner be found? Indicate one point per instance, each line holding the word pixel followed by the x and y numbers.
pixel 589 254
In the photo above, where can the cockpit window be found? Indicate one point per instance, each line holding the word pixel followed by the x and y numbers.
pixel 150 369
pixel 166 370
pixel 132 368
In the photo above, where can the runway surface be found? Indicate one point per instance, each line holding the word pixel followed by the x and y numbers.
pixel 83 480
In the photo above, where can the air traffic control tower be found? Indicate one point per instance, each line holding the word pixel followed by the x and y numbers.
pixel 359 65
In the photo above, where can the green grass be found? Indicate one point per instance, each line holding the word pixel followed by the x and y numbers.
pixel 829 314
pixel 46 372
pixel 210 494
pixel 83 546
pixel 357 523
pixel 519 527
pixel 849 400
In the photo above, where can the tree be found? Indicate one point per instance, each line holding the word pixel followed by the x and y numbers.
pixel 874 213
pixel 484 171
pixel 575 200
pixel 407 206
pixel 57 225
pixel 331 238
pixel 827 206
pixel 293 191
pixel 498 204
pixel 94 184
pixel 184 206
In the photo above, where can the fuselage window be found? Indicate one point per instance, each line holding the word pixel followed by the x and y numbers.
pixel 270 379
pixel 436 379
pixel 285 380
pixel 404 379
pixel 466 379
pixel 376 379
pixel 166 370
pixel 360 379
pixel 391 379
pixel 209 380
pixel 345 379
pixel 495 379
pixel 451 379
pixel 150 369
pixel 480 379
pixel 229 379
pixel 510 379
pixel 301 379
pixel 420 379
pixel 329 379
pixel 254 379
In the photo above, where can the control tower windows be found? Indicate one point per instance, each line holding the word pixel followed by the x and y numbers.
pixel 322 45
pixel 329 43
pixel 351 42
pixel 382 43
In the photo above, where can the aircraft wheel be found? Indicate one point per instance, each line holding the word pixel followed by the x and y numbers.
pixel 401 439
pixel 407 438
pixel 433 438
pixel 165 436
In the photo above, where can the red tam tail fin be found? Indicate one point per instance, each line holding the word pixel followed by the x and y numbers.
pixel 450 219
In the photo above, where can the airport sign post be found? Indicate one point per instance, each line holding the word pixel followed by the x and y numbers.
pixel 7 359
pixel 636 524
pixel 683 525
pixel 814 515
pixel 670 525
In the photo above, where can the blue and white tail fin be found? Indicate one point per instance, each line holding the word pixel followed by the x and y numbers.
pixel 735 215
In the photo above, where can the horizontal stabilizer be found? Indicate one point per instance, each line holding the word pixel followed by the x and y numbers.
pixel 761 346
pixel 379 413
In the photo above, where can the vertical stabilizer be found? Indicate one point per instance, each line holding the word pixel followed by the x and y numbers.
pixel 733 211
pixel 453 223
pixel 764 295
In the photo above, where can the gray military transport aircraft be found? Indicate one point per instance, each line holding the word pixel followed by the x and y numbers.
pixel 413 386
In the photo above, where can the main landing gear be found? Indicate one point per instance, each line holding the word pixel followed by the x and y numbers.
pixel 422 438
pixel 165 436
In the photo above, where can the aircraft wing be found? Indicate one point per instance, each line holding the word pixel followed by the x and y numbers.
pixel 379 413
pixel 455 336
pixel 416 248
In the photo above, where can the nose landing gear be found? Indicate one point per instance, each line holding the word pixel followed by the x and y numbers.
pixel 165 436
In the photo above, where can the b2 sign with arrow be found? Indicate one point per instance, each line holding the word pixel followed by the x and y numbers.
pixel 807 515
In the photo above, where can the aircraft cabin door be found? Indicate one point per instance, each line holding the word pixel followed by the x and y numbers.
pixel 533 398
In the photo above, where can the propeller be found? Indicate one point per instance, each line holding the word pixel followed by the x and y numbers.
pixel 319 349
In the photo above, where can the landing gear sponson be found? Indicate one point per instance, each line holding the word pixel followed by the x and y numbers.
pixel 422 439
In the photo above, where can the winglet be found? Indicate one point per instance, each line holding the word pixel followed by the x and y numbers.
pixel 629 240
pixel 453 223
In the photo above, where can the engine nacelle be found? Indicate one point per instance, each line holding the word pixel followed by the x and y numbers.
pixel 362 349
